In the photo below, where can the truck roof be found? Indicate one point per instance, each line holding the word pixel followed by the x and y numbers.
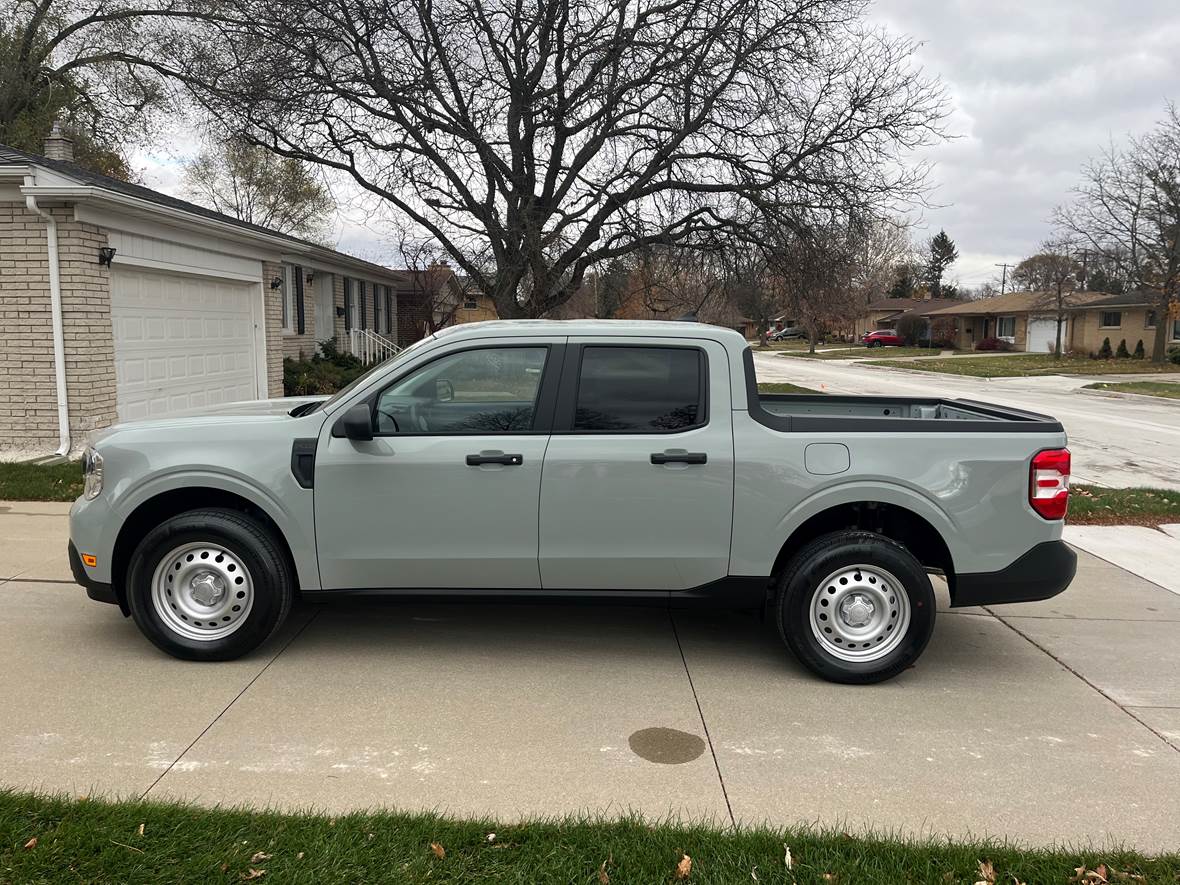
pixel 646 328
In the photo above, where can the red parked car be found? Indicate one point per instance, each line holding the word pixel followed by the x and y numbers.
pixel 881 338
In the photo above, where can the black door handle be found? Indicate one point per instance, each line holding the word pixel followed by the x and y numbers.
pixel 507 460
pixel 679 458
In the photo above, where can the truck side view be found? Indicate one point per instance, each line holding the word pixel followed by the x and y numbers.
pixel 604 459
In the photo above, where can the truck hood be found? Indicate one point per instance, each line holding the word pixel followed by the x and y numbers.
pixel 246 412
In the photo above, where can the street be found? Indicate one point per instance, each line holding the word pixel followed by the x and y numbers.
pixel 1115 441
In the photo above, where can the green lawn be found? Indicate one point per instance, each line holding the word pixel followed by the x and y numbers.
pixel 1022 364
pixel 1166 389
pixel 55 840
pixel 1093 505
pixel 783 387
pixel 861 352
pixel 33 482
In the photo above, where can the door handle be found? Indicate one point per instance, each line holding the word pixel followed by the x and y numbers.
pixel 679 458
pixel 507 460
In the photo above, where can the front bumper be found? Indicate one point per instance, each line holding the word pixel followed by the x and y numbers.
pixel 1041 573
pixel 96 590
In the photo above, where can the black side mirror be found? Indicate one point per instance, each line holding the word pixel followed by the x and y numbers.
pixel 355 424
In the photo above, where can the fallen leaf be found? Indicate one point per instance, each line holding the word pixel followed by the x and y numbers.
pixel 225 867
pixel 438 850
pixel 684 868
pixel 987 873
pixel 141 826
pixel 829 877
pixel 252 874
pixel 754 873
pixel 259 856
pixel 602 875
pixel 787 855
pixel 32 843
pixel 491 837
pixel 299 856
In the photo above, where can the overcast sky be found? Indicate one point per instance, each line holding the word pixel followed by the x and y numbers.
pixel 1037 86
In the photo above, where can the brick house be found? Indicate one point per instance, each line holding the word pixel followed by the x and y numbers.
pixel 1026 320
pixel 885 313
pixel 118 302
pixel 1129 317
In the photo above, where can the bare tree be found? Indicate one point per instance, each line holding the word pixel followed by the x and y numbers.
pixel 1054 273
pixel 881 245
pixel 250 183
pixel 1127 209
pixel 435 290
pixel 78 63
pixel 813 257
pixel 558 135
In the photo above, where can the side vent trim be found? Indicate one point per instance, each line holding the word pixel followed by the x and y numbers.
pixel 303 461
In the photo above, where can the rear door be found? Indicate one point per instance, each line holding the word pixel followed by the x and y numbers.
pixel 637 490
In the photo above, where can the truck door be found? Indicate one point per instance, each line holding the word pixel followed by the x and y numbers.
pixel 637 486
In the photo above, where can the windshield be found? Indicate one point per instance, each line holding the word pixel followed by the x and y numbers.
pixel 363 379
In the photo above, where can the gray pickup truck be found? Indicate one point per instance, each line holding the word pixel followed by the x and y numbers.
pixel 606 460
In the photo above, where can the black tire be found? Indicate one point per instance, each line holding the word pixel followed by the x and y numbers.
pixel 804 578
pixel 272 581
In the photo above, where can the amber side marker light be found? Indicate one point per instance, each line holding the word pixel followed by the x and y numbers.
pixel 89 559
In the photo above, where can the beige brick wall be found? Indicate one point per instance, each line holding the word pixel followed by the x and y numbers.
pixel 1087 334
pixel 298 346
pixel 28 393
pixel 274 328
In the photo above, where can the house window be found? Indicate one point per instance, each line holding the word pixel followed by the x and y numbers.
pixel 349 303
pixel 378 298
pixel 288 298
pixel 1149 319
pixel 390 310
pixel 1006 327
pixel 470 304
pixel 1111 319
pixel 1176 330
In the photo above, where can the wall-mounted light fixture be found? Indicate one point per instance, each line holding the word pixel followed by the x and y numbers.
pixel 276 282
pixel 106 254
pixel 339 311
pixel 310 275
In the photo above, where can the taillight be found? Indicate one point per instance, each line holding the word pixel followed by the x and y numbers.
pixel 1048 483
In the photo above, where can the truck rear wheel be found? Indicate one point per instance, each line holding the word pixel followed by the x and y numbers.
pixel 209 585
pixel 855 607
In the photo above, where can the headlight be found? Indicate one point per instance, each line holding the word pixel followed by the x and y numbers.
pixel 91 474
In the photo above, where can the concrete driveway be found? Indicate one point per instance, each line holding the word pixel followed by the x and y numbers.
pixel 1058 721
pixel 1116 441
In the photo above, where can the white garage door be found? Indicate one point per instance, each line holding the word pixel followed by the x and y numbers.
pixel 181 342
pixel 1042 334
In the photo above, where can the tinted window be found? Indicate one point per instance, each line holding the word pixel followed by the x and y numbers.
pixel 641 389
pixel 476 391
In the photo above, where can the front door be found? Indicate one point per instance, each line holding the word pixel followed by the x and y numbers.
pixel 445 494
pixel 638 485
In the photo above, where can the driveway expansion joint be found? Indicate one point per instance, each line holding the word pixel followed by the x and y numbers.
pixel 1123 707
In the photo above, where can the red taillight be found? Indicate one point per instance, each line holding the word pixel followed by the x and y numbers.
pixel 1048 484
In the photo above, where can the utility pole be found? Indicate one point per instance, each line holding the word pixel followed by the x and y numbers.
pixel 1085 262
pixel 1004 277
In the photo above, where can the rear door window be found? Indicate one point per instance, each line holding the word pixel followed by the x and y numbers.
pixel 640 390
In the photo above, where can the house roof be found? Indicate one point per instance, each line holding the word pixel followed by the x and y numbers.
pixel 1017 302
pixel 916 306
pixel 10 156
pixel 1126 299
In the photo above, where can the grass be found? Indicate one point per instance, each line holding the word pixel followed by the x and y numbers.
pixel 850 353
pixel 1025 364
pixel 1094 505
pixel 783 387
pixel 34 482
pixel 1165 389
pixel 142 842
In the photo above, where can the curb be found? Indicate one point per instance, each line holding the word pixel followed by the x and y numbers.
pixel 1127 395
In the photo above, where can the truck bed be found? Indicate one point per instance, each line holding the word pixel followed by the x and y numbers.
pixel 818 412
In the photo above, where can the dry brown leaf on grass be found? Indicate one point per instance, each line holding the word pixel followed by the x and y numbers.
pixel 32 843
pixel 603 876
pixel 787 855
pixel 829 877
pixel 299 856
pixel 141 828
pixel 684 868
pixel 987 873
pixel 259 856
pixel 438 850
pixel 1082 874
pixel 252 874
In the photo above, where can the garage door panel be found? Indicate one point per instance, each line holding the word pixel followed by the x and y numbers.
pixel 181 342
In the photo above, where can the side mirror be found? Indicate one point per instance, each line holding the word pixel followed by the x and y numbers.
pixel 355 424
pixel 444 391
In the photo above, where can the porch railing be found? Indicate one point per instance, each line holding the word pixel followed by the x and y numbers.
pixel 368 346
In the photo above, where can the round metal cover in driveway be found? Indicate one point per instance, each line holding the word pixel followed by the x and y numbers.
pixel 667 746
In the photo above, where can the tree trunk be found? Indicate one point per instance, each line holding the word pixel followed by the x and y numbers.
pixel 1163 325
pixel 1057 354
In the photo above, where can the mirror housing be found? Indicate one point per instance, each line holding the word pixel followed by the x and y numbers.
pixel 444 390
pixel 355 424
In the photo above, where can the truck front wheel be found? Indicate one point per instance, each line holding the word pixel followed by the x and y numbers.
pixel 209 585
pixel 855 607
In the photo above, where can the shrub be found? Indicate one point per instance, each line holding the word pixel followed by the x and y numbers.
pixel 326 372
pixel 1122 353
pixel 1104 352
pixel 1140 353
pixel 992 344
pixel 1174 355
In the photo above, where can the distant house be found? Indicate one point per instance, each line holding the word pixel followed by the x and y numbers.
pixel 1131 316
pixel 1026 320
pixel 884 314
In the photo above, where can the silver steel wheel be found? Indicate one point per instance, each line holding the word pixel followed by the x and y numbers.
pixel 860 613
pixel 202 591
